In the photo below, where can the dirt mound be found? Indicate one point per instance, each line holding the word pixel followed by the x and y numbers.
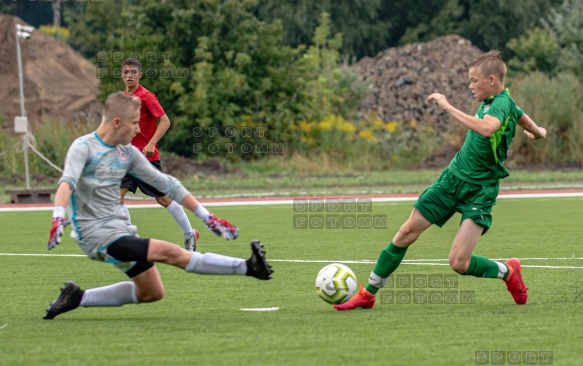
pixel 402 78
pixel 58 81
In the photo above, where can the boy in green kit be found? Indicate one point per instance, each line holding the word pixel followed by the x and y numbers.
pixel 469 185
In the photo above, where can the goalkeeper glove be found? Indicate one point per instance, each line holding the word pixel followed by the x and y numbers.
pixel 221 227
pixel 57 227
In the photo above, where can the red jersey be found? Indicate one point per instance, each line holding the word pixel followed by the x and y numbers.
pixel 151 110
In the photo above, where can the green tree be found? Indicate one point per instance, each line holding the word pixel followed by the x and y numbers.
pixel 95 26
pixel 446 21
pixel 490 24
pixel 35 13
pixel 7 7
pixel 214 65
pixel 328 89
pixel 487 24
pixel 565 24
pixel 364 32
pixel 535 51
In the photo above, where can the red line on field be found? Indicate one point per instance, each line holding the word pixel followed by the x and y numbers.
pixel 540 191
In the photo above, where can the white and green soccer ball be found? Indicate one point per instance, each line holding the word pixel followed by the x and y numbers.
pixel 336 283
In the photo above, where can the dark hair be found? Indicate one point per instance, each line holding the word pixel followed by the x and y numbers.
pixel 132 62
pixel 490 63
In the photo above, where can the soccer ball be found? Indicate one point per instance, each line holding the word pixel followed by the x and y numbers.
pixel 336 283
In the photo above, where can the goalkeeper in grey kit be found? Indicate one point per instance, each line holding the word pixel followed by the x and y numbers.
pixel 89 188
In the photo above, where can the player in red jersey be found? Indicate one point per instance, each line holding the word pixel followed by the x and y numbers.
pixel 153 125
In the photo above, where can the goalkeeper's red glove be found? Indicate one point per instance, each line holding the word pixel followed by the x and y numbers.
pixel 57 227
pixel 221 227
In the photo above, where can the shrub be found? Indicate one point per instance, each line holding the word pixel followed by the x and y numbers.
pixel 555 103
pixel 57 32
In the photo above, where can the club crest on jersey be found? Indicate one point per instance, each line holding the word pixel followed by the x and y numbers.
pixel 486 108
pixel 122 155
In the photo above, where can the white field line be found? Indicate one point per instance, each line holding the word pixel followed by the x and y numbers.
pixel 415 262
pixel 421 262
pixel 40 255
pixel 3 326
pixel 275 308
pixel 291 201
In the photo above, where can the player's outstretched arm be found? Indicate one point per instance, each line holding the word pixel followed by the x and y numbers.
pixel 531 129
pixel 485 127
pixel 59 221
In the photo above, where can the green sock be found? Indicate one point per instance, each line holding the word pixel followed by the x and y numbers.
pixel 484 267
pixel 388 261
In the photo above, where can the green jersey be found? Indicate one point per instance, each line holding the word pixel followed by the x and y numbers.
pixel 481 159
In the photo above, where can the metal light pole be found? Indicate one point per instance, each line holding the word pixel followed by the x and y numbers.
pixel 24 32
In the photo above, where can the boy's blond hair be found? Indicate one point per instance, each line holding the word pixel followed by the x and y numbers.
pixel 491 63
pixel 120 105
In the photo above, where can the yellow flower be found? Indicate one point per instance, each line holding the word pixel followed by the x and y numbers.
pixel 247 121
pixel 328 122
pixel 305 126
pixel 377 122
pixel 57 32
pixel 347 127
pixel 325 125
pixel 308 140
pixel 413 123
pixel 367 134
pixel 391 126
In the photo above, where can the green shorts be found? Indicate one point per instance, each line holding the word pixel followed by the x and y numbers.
pixel 449 194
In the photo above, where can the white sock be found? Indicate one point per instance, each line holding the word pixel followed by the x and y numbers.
pixel 210 263
pixel 376 280
pixel 180 217
pixel 502 269
pixel 126 213
pixel 201 212
pixel 118 294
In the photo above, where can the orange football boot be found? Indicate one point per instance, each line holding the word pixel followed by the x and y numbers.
pixel 362 299
pixel 514 282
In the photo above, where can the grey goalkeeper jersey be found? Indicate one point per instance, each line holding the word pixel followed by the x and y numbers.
pixel 94 170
